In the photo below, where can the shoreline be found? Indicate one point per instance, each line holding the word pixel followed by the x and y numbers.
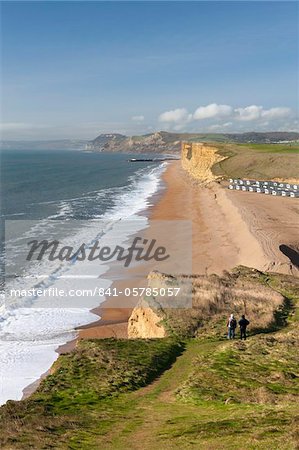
pixel 112 317
pixel 229 229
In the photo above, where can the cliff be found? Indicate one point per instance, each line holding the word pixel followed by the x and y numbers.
pixel 208 162
pixel 198 159
pixel 213 298
pixel 145 322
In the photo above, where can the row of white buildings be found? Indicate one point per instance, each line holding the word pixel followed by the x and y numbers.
pixel 265 187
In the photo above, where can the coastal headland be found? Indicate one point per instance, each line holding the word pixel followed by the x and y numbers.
pixel 178 382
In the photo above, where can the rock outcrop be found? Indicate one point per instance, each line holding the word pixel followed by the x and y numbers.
pixel 104 141
pixel 198 159
pixel 145 323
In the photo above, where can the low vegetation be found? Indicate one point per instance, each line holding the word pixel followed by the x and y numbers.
pixel 258 161
pixel 214 297
pixel 262 371
pixel 176 392
pixel 78 396
pixel 292 147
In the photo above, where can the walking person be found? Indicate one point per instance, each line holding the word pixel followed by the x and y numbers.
pixel 243 323
pixel 231 327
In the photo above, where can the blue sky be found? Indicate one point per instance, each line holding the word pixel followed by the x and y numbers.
pixel 76 69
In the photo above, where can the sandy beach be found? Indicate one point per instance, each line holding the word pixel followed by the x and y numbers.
pixel 229 228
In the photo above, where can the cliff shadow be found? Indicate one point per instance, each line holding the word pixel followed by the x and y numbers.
pixel 290 253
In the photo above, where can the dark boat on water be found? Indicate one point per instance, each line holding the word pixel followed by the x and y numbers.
pixel 151 159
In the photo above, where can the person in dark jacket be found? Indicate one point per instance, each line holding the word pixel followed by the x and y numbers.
pixel 243 323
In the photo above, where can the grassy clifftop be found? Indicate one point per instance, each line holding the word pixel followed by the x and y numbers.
pixel 207 161
pixel 203 393
pixel 214 297
pixel 258 161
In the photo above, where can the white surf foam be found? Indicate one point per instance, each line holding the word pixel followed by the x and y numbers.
pixel 29 336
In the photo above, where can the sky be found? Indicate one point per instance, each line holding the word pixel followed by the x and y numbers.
pixel 79 69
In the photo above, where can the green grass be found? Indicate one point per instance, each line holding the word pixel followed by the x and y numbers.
pixel 253 161
pixel 111 366
pixel 82 390
pixel 272 148
pixel 261 370
pixel 257 161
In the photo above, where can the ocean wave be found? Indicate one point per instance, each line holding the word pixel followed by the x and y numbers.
pixel 29 334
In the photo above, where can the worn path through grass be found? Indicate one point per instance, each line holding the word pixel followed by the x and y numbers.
pixel 156 418
pixel 208 393
pixel 155 406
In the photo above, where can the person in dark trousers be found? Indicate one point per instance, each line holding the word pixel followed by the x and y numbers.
pixel 231 326
pixel 243 323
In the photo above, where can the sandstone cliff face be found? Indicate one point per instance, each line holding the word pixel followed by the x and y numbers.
pixel 198 159
pixel 146 318
pixel 145 323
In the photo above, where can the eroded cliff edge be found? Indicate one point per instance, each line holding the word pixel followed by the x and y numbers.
pixel 198 159
pixel 208 299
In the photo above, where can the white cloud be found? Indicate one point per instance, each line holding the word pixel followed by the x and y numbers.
pixel 255 112
pixel 211 111
pixel 277 113
pixel 138 118
pixel 249 113
pixel 179 115
pixel 225 117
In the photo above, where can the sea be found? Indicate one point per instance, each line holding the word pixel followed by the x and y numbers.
pixel 76 191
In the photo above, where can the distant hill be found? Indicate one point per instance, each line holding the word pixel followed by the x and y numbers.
pixel 104 139
pixel 164 142
pixel 160 142
pixel 58 144
pixel 264 138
